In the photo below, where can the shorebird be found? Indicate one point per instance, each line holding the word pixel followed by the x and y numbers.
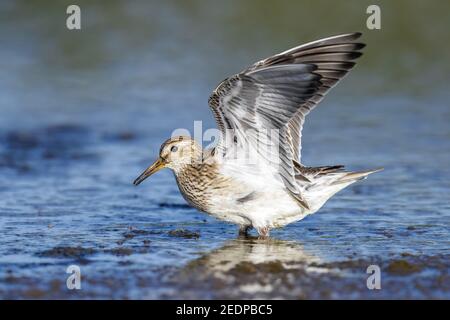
pixel 274 94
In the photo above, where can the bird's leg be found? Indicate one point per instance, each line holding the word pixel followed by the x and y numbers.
pixel 263 232
pixel 243 231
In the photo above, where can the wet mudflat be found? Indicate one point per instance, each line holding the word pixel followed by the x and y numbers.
pixel 65 202
pixel 78 125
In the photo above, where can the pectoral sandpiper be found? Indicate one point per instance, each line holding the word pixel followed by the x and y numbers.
pixel 274 94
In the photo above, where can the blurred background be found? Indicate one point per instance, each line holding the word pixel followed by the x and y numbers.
pixel 82 112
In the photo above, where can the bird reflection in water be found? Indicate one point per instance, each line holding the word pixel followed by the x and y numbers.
pixel 252 250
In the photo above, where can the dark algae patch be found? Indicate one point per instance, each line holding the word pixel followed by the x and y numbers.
pixel 120 251
pixel 403 267
pixel 81 253
pixel 67 252
pixel 183 233
pixel 174 205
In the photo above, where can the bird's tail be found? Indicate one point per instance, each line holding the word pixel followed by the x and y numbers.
pixel 327 185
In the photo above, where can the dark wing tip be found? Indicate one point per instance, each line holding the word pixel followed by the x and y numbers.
pixel 359 45
pixel 354 55
pixel 356 34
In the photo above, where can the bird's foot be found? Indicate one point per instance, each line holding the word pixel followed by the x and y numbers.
pixel 243 231
pixel 263 233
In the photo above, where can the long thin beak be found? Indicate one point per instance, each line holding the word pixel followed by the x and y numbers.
pixel 156 166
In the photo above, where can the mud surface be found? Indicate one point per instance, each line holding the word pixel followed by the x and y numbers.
pixel 83 113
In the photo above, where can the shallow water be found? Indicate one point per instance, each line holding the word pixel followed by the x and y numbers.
pixel 81 114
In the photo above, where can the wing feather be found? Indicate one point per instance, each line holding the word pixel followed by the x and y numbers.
pixel 277 93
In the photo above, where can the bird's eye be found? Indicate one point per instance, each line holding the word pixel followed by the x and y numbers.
pixel 174 149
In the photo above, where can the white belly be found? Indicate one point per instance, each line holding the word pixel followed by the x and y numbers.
pixel 256 197
pixel 274 208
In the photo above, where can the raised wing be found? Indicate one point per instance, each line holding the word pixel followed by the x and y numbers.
pixel 277 93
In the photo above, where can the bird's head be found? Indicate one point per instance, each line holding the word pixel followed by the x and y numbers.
pixel 175 153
